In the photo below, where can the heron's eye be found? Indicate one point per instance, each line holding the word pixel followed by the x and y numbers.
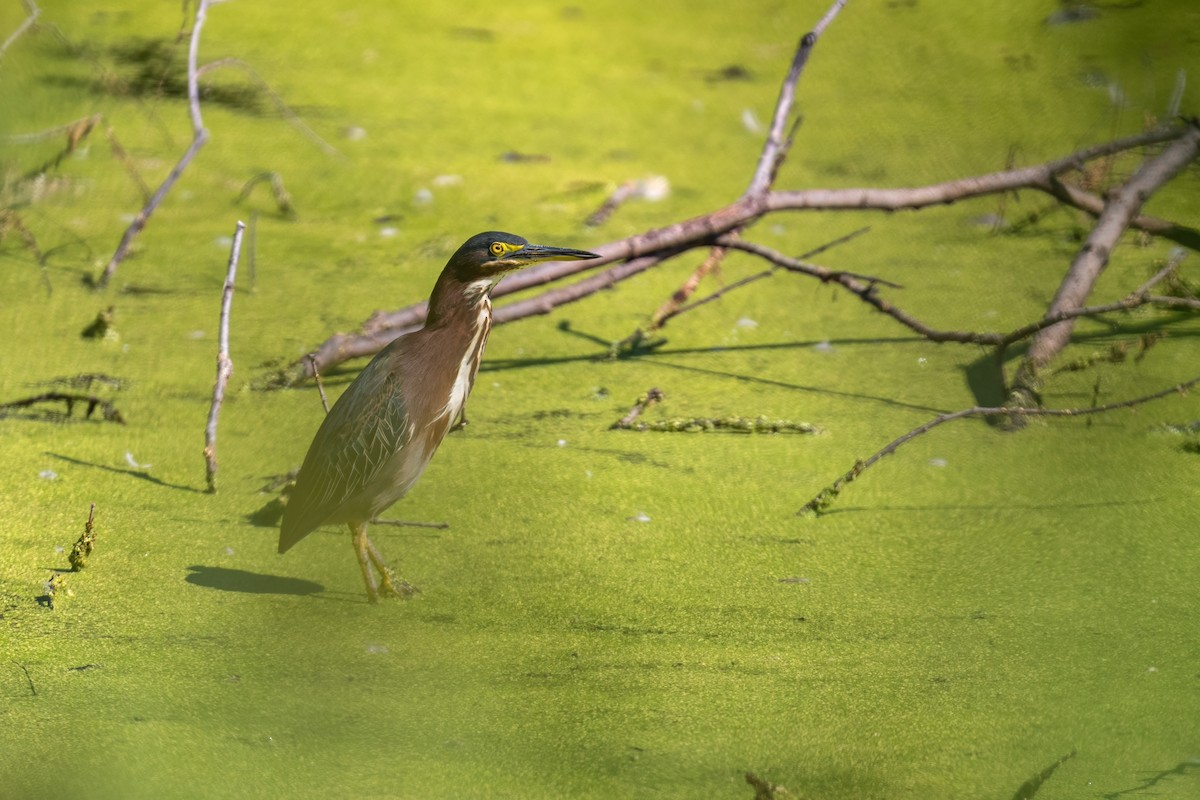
pixel 497 248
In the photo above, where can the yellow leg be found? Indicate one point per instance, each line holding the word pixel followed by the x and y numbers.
pixel 369 557
pixel 361 544
pixel 389 583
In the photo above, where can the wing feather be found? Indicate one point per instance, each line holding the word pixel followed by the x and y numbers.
pixel 365 428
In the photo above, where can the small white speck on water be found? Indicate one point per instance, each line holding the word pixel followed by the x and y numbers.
pixel 58 548
pixel 562 442
pixel 197 335
pixel 388 232
pixel 376 649
pixel 131 461
pixel 48 475
pixel 654 188
pixel 750 121
pixel 937 462
pixel 355 133
pixel 447 180
pixel 1152 669
pixel 922 361
pixel 224 242
pixel 228 551
pixel 423 196
pixel 641 516
pixel 746 322
pixel 823 346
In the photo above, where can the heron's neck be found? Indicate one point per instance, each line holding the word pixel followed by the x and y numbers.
pixel 455 301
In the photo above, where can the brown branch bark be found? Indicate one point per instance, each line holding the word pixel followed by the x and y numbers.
pixel 652 247
pixel 1093 257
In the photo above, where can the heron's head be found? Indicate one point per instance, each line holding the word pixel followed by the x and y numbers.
pixel 488 256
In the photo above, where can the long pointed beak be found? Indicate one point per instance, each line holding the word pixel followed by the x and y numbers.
pixel 533 253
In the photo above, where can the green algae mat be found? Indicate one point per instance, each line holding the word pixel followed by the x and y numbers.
pixel 609 613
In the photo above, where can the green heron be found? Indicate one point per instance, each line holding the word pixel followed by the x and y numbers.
pixel 379 436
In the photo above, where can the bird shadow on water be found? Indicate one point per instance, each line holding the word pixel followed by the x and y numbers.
pixel 240 580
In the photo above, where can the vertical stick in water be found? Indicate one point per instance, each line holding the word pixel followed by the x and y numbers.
pixel 224 363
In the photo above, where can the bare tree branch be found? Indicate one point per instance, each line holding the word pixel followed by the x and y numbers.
pixel 199 137
pixel 821 502
pixel 1093 257
pixel 776 146
pixel 29 21
pixel 224 362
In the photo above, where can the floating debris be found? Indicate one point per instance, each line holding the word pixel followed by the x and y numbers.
pixel 102 326
pixel 513 157
pixel 85 544
pixel 131 461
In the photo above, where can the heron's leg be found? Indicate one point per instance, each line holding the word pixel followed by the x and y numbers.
pixel 362 546
pixel 389 583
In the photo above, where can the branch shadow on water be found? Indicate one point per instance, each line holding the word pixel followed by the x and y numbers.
pixel 132 473
pixel 240 580
pixel 1152 781
pixel 658 357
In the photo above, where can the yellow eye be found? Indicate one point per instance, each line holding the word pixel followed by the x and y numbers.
pixel 497 248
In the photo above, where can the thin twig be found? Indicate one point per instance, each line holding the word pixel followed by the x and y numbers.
pixel 34 13
pixel 673 303
pixel 1138 297
pixel 199 137
pixel 821 502
pixel 399 523
pixel 775 147
pixel 724 290
pixel 224 363
pixel 312 358
pixel 651 397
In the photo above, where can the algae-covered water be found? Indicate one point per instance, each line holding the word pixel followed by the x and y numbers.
pixel 609 613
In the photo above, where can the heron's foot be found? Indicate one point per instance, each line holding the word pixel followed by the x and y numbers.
pixel 392 586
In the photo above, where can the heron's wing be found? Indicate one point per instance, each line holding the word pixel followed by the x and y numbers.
pixel 366 426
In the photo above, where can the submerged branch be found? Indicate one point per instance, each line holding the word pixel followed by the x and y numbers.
pixel 825 498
